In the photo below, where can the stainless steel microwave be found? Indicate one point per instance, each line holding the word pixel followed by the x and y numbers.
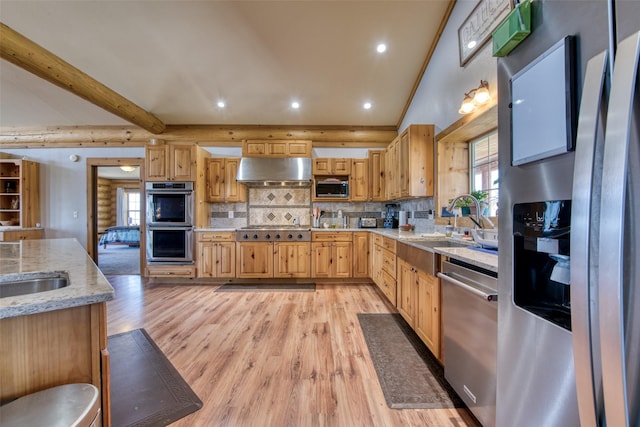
pixel 332 188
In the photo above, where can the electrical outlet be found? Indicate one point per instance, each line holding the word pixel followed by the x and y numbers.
pixel 230 214
pixel 75 214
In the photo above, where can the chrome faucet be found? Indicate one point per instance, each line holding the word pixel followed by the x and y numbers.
pixel 478 220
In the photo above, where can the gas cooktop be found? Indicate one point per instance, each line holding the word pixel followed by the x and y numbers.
pixel 273 234
pixel 274 227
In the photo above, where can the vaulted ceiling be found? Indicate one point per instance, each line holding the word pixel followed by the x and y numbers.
pixel 176 59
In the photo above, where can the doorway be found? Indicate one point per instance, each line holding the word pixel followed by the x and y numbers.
pixel 115 212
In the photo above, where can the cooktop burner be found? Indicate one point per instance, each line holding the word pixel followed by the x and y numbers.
pixel 274 227
pixel 273 234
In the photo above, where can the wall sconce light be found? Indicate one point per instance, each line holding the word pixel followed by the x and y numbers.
pixel 128 168
pixel 475 97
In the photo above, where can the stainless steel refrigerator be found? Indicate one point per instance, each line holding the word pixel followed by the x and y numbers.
pixel 569 272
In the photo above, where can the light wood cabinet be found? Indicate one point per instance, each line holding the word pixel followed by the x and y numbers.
pixel 14 235
pixel 292 259
pixel 427 316
pixel 377 176
pixel 216 254
pixel 170 162
pixel 392 184
pixel 359 180
pixel 276 148
pixel 19 193
pixel 409 163
pixel 383 265
pixel 254 259
pixel 221 181
pixel 273 259
pixel 44 350
pixel 407 290
pixel 331 254
pixel 183 271
pixel 331 166
pixel 419 304
pixel 361 254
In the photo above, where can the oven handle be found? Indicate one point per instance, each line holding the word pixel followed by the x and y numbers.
pixel 163 227
pixel 484 295
pixel 154 192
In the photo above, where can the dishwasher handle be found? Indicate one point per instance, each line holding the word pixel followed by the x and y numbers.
pixel 484 295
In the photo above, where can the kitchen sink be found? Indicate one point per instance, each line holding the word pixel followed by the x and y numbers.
pixel 13 285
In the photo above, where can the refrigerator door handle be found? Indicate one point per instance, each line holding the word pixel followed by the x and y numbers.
pixel 621 148
pixel 584 219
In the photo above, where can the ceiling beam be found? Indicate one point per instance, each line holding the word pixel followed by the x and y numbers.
pixel 204 135
pixel 32 57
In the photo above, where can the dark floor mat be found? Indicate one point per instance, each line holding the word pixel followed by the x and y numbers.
pixel 146 390
pixel 267 287
pixel 410 377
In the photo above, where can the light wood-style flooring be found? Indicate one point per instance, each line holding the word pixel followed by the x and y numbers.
pixel 269 358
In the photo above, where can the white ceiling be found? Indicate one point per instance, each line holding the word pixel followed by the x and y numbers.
pixel 176 58
pixel 114 172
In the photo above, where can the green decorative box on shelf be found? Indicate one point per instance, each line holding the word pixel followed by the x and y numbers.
pixel 515 28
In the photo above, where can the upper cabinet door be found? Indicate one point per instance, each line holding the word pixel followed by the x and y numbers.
pixel 182 163
pixel 156 159
pixel 276 148
pixel 331 166
pixel 215 180
pixel 358 180
pixel 169 162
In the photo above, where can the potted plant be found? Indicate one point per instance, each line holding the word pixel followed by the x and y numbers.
pixel 482 197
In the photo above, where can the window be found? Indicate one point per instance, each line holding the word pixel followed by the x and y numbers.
pixel 133 208
pixel 484 169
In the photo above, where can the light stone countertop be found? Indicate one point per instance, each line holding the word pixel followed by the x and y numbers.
pixel 18 228
pixel 87 283
pixel 478 258
pixel 481 259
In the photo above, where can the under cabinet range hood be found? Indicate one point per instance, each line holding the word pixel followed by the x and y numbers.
pixel 275 171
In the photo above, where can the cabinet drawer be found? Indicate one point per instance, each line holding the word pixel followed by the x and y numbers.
pixel 389 263
pixel 215 236
pixel 171 271
pixel 322 236
pixel 377 239
pixel 10 236
pixel 388 287
pixel 389 244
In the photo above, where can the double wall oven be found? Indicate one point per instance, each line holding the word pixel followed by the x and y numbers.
pixel 170 207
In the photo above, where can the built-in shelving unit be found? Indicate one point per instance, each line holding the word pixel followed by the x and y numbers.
pixel 19 201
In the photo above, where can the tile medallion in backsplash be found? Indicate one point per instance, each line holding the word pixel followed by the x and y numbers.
pixel 276 196
pixel 278 216
pixel 279 206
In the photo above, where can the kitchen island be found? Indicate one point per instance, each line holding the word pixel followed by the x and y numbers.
pixel 54 337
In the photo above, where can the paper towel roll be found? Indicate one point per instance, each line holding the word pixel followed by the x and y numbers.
pixel 402 218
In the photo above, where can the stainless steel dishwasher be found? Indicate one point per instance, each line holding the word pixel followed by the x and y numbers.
pixel 470 313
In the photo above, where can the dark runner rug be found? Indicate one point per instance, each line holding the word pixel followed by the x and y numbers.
pixel 146 390
pixel 409 375
pixel 267 287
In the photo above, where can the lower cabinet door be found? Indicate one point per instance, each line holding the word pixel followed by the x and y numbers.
pixel 321 264
pixel 254 259
pixel 428 312
pixel 292 259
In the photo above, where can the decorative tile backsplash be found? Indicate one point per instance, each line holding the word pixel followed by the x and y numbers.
pixel 278 206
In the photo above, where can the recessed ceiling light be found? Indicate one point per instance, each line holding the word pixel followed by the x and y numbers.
pixel 472 44
pixel 381 47
pixel 221 104
pixel 366 105
pixel 295 105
